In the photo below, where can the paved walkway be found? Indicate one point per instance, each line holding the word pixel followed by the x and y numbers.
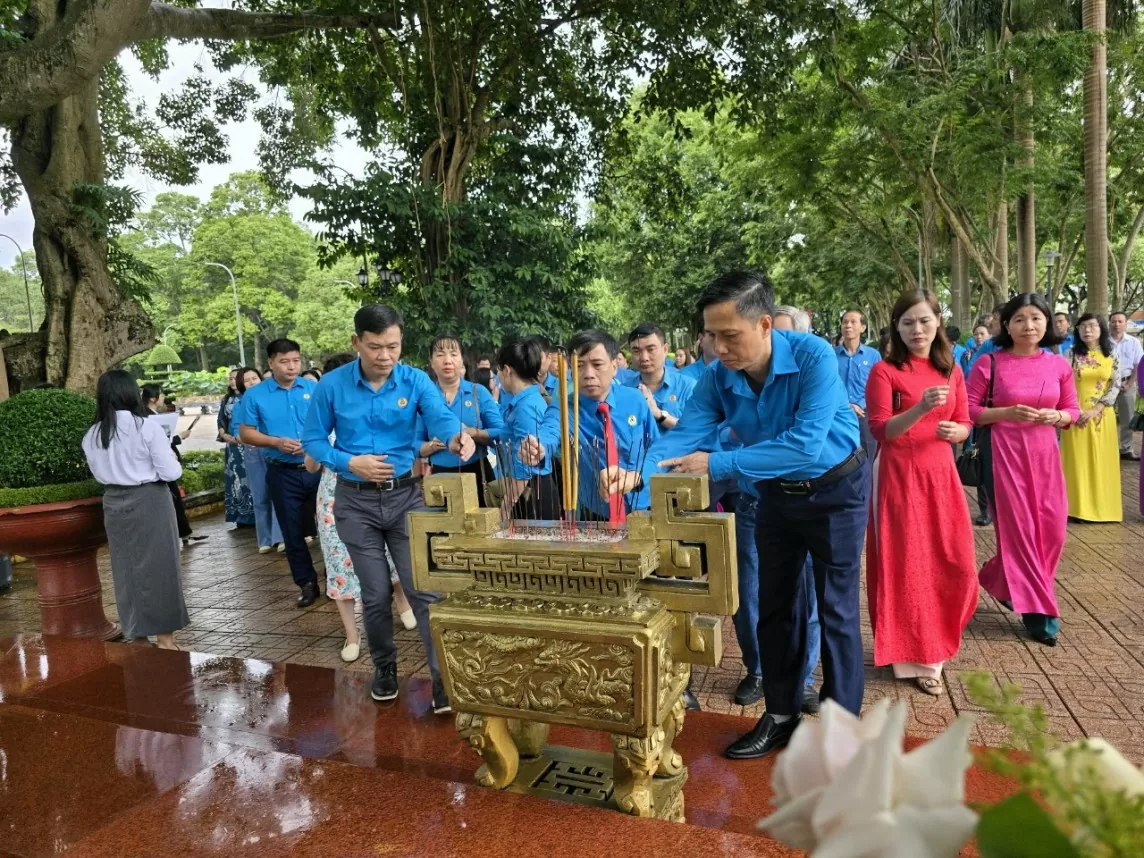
pixel 242 604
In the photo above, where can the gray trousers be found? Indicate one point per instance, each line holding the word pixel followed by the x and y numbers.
pixel 368 523
pixel 1125 409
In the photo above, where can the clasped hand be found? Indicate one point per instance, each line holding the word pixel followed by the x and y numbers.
pixel 1029 414
pixel 934 397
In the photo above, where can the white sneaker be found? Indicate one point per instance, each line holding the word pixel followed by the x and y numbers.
pixel 309 540
pixel 408 620
pixel 351 652
pixel 265 549
pixel 281 547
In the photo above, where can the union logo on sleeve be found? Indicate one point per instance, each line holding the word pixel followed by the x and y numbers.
pixel 402 402
pixel 672 398
pixel 305 396
pixel 631 420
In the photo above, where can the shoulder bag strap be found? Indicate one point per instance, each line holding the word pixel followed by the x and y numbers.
pixel 992 378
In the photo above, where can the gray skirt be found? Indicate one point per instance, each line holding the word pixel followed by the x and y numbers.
pixel 143 539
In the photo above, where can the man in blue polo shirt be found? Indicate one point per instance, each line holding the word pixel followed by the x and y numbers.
pixel 781 394
pixel 704 354
pixel 665 388
pixel 616 433
pixel 370 406
pixel 855 362
pixel 272 415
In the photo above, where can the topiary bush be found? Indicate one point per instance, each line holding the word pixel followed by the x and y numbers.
pixel 40 435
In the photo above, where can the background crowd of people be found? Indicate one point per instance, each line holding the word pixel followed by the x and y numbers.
pixel 821 450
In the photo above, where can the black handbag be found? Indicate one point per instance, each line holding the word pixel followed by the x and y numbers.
pixel 970 464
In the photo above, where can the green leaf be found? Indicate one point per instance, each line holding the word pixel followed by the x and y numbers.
pixel 1019 828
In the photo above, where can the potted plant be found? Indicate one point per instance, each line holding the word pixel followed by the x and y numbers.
pixel 51 510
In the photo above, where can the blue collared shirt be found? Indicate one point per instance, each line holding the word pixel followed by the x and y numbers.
pixel 279 411
pixel 523 417
pixel 374 422
pixel 854 370
pixel 1066 345
pixel 626 375
pixel 695 370
pixel 474 406
pixel 635 430
pixel 672 394
pixel 958 353
pixel 798 428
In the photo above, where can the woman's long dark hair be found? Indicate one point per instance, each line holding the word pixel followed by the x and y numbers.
pixel 116 391
pixel 150 393
pixel 1105 342
pixel 941 354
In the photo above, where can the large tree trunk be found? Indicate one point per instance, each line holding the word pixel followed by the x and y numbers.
pixel 1000 287
pixel 959 284
pixel 257 356
pixel 1026 202
pixel 1096 161
pixel 90 326
pixel 204 361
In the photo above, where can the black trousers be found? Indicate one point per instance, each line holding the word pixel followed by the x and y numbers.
pixel 294 495
pixel 830 525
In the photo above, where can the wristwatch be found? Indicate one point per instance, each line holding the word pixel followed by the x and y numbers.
pixel 661 418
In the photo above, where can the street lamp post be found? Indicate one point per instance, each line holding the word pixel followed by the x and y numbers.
pixel 237 313
pixel 27 291
pixel 1050 256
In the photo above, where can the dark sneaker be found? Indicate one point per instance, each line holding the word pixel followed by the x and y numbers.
pixel 440 699
pixel 983 520
pixel 690 701
pixel 811 703
pixel 384 686
pixel 750 690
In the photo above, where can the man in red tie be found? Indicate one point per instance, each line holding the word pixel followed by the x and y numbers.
pixel 616 431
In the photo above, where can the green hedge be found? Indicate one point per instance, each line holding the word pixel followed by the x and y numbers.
pixel 49 494
pixel 203 470
pixel 40 435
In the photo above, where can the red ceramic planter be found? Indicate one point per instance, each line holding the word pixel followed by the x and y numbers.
pixel 62 540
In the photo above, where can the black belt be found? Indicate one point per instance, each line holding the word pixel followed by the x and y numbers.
pixel 844 469
pixel 404 481
pixel 286 466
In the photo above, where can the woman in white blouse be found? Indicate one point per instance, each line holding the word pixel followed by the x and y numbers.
pixel 132 457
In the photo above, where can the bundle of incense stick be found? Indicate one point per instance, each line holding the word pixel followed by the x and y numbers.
pixel 565 464
pixel 575 495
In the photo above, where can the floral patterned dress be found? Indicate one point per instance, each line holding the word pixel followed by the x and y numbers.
pixel 239 500
pixel 1090 454
pixel 341 581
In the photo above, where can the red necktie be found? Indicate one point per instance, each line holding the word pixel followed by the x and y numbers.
pixel 616 514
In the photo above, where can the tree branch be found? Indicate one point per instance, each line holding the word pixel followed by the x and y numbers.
pixel 61 61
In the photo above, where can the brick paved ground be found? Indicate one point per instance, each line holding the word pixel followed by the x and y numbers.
pixel 242 604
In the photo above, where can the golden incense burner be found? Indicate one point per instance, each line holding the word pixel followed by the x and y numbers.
pixel 588 628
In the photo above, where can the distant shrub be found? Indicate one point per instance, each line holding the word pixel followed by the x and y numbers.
pixel 203 470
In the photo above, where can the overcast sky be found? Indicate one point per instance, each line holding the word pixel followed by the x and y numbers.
pixel 243 147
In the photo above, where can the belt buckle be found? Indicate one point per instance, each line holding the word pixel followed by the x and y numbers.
pixel 386 485
pixel 799 488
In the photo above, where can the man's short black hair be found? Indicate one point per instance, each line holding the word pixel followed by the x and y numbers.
pixel 1066 315
pixel 953 334
pixel 585 341
pixel 282 346
pixel 752 293
pixel 647 329
pixel 377 319
pixel 1118 313
pixel 861 316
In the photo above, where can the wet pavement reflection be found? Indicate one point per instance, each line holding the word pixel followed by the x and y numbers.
pixel 115 749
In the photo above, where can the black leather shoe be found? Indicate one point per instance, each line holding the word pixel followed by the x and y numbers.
pixel 690 702
pixel 750 690
pixel 309 594
pixel 384 686
pixel 983 521
pixel 440 699
pixel 811 703
pixel 767 737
